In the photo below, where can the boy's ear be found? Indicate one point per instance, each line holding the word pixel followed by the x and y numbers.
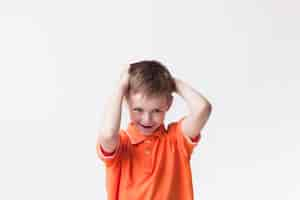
pixel 170 101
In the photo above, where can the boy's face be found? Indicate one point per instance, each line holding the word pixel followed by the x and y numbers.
pixel 147 113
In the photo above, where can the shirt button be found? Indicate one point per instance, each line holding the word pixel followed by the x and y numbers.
pixel 147 151
pixel 148 141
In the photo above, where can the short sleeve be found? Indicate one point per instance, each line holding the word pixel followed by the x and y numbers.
pixel 110 158
pixel 184 142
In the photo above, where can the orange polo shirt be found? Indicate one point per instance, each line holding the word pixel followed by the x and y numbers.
pixel 155 167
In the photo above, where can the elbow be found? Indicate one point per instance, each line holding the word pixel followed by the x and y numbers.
pixel 205 108
pixel 208 106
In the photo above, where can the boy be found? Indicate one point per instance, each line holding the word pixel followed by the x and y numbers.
pixel 148 161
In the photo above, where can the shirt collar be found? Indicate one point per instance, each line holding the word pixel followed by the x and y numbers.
pixel 135 136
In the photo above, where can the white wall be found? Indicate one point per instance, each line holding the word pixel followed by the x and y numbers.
pixel 59 61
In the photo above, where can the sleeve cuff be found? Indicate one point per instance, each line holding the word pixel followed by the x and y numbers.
pixel 195 139
pixel 192 140
pixel 105 153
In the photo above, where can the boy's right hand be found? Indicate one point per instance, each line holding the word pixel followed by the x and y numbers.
pixel 124 79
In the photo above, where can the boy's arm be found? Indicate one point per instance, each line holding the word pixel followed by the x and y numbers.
pixel 199 108
pixel 108 136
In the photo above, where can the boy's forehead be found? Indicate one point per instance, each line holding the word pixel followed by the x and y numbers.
pixel 140 99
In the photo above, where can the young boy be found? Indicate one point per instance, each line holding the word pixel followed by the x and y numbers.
pixel 148 161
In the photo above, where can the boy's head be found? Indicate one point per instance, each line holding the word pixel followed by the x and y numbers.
pixel 150 94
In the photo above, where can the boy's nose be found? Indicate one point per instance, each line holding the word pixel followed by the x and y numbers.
pixel 147 119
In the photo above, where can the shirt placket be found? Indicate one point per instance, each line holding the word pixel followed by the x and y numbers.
pixel 148 154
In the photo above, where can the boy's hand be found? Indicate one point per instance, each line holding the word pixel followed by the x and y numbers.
pixel 124 79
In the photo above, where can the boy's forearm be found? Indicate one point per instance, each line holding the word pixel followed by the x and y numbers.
pixel 112 114
pixel 195 101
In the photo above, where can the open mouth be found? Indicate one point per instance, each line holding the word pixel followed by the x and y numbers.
pixel 146 127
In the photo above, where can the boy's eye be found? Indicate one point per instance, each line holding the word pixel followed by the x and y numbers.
pixel 138 109
pixel 156 110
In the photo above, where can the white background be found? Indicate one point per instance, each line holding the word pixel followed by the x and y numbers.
pixel 59 60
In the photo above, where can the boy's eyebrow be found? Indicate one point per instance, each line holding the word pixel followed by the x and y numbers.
pixel 143 109
pixel 138 108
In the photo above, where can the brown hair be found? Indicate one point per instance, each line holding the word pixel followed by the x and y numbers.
pixel 151 77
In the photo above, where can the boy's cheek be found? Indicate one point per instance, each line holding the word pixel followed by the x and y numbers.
pixel 134 117
pixel 160 118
